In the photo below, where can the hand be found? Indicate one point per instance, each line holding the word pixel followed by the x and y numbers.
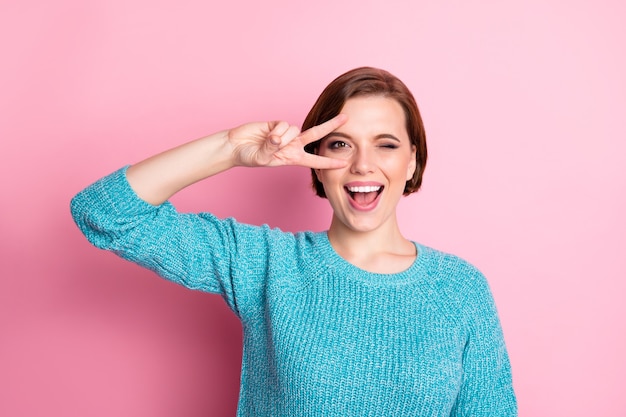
pixel 277 143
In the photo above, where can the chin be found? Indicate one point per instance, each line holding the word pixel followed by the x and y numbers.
pixel 362 226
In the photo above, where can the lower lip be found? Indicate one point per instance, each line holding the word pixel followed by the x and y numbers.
pixel 371 206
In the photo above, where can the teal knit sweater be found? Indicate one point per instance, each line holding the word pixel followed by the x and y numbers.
pixel 321 336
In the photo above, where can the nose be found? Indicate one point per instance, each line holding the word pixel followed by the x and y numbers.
pixel 362 162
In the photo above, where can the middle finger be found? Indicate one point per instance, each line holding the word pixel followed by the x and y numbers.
pixel 319 131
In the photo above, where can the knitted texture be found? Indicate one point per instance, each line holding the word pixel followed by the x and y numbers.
pixel 321 336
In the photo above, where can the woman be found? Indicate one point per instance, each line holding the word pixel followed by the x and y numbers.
pixel 354 321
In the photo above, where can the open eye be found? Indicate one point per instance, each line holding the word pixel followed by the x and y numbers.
pixel 337 144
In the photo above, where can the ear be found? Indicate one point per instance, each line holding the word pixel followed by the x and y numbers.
pixel 412 163
pixel 317 174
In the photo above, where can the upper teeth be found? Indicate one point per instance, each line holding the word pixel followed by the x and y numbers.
pixel 364 189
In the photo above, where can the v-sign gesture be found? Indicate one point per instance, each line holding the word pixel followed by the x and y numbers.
pixel 278 143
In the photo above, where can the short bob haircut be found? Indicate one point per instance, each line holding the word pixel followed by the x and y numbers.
pixel 368 81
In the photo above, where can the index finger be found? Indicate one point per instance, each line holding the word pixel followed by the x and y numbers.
pixel 322 162
pixel 317 132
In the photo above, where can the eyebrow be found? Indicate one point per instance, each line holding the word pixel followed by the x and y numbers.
pixel 380 136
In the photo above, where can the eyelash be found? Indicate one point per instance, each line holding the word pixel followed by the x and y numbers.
pixel 389 145
pixel 338 144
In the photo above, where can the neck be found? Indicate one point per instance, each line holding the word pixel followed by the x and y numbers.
pixel 351 244
pixel 383 250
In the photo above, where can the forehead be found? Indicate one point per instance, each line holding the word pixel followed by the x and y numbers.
pixel 373 115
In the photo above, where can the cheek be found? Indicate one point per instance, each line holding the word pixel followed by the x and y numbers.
pixel 324 176
pixel 400 169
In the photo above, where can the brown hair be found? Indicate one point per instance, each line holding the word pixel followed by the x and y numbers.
pixel 362 82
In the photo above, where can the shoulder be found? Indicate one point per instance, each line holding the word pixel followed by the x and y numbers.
pixel 246 237
pixel 265 245
pixel 451 269
pixel 458 284
pixel 264 235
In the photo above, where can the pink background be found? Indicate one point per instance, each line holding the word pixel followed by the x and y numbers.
pixel 524 104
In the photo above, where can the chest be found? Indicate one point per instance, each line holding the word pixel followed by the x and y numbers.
pixel 386 347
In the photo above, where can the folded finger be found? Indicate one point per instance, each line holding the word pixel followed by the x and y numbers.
pixel 277 132
pixel 289 134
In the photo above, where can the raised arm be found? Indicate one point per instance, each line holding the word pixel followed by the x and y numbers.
pixel 126 212
pixel 159 177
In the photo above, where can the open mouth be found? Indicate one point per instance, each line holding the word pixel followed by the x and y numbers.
pixel 364 195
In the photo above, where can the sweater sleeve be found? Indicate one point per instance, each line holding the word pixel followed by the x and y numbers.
pixel 197 251
pixel 486 389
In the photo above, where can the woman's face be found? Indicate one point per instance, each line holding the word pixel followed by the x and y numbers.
pixel 381 158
